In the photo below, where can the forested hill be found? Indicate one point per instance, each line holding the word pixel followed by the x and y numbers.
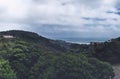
pixel 26 55
pixel 24 35
pixel 53 45
pixel 107 51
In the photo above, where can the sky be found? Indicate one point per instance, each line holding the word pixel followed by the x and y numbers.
pixel 62 18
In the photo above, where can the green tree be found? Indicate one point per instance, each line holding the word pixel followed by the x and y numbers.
pixel 5 70
pixel 70 66
pixel 102 70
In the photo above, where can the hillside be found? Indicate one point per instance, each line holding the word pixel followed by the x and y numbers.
pixel 53 45
pixel 27 55
pixel 107 51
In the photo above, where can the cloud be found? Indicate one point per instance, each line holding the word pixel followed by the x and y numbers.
pixel 45 11
pixel 12 26
pixel 62 18
pixel 14 9
pixel 94 19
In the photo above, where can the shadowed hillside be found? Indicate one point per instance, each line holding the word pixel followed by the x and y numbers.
pixel 29 56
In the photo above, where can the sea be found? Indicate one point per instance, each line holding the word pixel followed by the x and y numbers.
pixel 84 40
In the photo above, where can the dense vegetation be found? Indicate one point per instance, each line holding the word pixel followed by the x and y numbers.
pixel 30 56
pixel 108 51
pixel 5 70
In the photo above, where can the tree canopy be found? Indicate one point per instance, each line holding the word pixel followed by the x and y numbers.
pixel 39 59
pixel 6 72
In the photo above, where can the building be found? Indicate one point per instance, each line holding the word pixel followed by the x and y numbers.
pixel 8 36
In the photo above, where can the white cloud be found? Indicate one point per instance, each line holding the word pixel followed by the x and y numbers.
pixel 14 9
pixel 54 11
pixel 69 13
pixel 13 26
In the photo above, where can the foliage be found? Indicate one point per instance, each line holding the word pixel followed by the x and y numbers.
pixel 5 70
pixel 108 51
pixel 34 57
pixel 70 66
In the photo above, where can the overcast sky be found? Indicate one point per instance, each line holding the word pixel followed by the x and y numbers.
pixel 62 18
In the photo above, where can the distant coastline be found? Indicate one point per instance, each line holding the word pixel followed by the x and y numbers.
pixel 83 40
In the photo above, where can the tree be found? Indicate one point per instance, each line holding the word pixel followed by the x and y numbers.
pixel 5 70
pixel 70 66
pixel 102 70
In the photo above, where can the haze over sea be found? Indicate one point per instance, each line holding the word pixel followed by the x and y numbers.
pixel 84 40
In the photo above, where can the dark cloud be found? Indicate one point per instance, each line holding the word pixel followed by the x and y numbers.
pixel 110 12
pixel 117 6
pixel 94 19
pixel 118 13
pixel 114 12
